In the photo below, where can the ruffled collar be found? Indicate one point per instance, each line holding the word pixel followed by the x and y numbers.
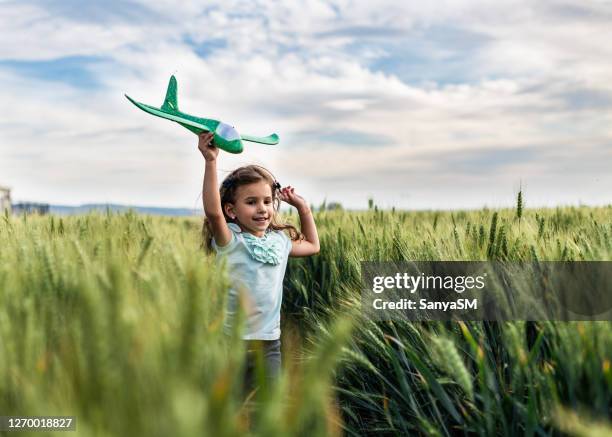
pixel 266 249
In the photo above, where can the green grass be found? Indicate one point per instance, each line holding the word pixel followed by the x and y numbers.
pixel 116 319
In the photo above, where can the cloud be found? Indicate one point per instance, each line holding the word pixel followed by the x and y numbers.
pixel 331 137
pixel 419 103
pixel 107 12
pixel 78 71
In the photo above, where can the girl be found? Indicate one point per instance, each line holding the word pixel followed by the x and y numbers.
pixel 242 227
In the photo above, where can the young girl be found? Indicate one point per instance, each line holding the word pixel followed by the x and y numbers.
pixel 242 227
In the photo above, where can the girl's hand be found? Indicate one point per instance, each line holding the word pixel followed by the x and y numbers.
pixel 206 145
pixel 288 195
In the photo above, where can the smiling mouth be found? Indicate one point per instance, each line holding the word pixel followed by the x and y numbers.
pixel 260 219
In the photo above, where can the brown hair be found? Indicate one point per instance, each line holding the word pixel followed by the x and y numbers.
pixel 227 192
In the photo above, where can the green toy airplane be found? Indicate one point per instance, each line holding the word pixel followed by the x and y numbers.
pixel 226 137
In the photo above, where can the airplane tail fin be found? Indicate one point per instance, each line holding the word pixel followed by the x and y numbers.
pixel 170 102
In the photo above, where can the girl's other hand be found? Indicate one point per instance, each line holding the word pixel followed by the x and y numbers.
pixel 207 147
pixel 288 195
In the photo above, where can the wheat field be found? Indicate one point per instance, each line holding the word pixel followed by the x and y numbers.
pixel 116 319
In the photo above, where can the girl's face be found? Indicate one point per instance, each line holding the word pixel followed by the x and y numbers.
pixel 253 208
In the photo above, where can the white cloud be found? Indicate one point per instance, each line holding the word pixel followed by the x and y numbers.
pixel 543 77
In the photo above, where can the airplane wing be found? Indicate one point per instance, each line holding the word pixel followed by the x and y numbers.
pixel 270 139
pixel 159 113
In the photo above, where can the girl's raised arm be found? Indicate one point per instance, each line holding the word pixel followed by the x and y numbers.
pixel 210 190
pixel 309 246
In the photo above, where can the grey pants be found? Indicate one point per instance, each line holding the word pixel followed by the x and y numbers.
pixel 268 354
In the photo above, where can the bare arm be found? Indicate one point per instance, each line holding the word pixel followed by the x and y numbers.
pixel 310 245
pixel 210 192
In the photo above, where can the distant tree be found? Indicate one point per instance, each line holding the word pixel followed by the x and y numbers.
pixel 334 206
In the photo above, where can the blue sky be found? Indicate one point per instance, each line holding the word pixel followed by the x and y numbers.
pixel 452 104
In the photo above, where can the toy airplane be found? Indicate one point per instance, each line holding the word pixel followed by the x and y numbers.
pixel 226 137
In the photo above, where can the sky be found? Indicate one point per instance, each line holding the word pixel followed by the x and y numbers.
pixel 444 105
